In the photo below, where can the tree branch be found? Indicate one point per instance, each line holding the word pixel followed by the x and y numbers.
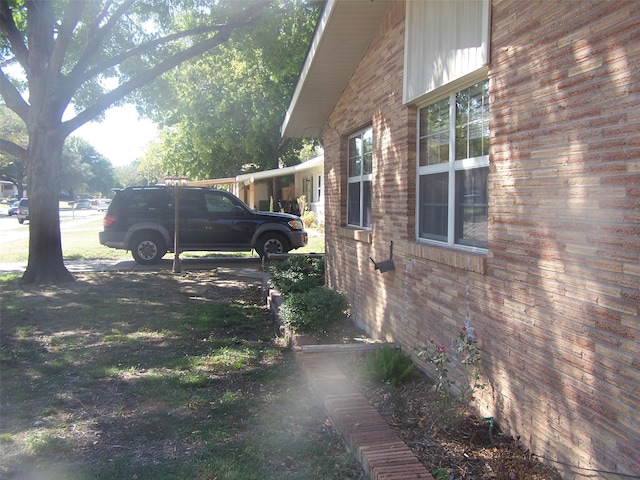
pixel 125 89
pixel 9 30
pixel 65 34
pixel 104 102
pixel 95 40
pixel 139 50
pixel 13 149
pixel 12 97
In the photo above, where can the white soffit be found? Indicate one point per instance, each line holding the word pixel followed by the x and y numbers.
pixel 344 32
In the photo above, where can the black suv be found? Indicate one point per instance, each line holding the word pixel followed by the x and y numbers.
pixel 141 219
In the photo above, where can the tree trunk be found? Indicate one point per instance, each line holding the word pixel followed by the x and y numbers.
pixel 46 264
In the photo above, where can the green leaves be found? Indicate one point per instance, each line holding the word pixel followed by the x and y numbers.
pixel 297 274
pixel 313 311
pixel 389 365
pixel 222 113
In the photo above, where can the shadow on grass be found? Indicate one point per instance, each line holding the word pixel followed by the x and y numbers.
pixel 152 375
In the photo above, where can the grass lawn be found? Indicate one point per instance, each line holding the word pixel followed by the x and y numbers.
pixel 155 376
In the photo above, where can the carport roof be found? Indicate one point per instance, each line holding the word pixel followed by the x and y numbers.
pixel 343 34
pixel 246 178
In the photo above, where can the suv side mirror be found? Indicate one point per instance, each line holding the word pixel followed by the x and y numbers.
pixel 238 210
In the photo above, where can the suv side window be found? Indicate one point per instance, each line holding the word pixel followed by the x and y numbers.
pixel 218 203
pixel 191 201
pixel 148 200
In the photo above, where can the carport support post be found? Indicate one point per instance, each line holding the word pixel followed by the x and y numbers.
pixel 176 183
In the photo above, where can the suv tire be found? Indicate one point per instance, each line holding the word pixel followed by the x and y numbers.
pixel 271 242
pixel 148 248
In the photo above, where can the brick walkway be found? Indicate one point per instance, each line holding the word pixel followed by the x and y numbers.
pixel 382 453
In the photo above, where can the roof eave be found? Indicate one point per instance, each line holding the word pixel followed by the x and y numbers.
pixel 343 35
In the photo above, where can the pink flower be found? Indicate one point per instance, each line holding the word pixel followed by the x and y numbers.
pixel 464 329
pixel 441 348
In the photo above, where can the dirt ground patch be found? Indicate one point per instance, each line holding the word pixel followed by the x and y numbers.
pixel 446 436
pixel 148 375
pixel 155 376
pixel 449 440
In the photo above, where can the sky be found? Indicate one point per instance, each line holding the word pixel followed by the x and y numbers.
pixel 122 137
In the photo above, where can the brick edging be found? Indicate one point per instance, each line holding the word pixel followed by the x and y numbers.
pixel 379 449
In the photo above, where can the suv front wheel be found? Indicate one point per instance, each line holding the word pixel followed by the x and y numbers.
pixel 148 248
pixel 272 242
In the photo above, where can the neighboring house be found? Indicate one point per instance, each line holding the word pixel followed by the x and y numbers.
pixel 7 189
pixel 303 179
pixel 497 145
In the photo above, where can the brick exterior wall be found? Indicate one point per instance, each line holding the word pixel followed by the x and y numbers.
pixel 555 302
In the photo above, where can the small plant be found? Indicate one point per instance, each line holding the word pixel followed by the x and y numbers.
pixel 389 365
pixel 303 206
pixel 313 311
pixel 309 218
pixel 440 473
pixel 465 352
pixel 297 274
pixel 49 444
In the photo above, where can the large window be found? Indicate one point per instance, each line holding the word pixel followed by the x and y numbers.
pixel 453 163
pixel 359 179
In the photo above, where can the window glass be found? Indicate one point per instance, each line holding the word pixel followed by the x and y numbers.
pixel 360 179
pixel 218 203
pixel 367 151
pixel 471 206
pixel 366 200
pixel 190 201
pixel 355 157
pixel 434 133
pixel 452 185
pixel 434 194
pixel 353 204
pixel 152 199
pixel 472 121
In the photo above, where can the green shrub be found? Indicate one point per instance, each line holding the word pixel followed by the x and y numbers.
pixel 313 311
pixel 297 274
pixel 389 365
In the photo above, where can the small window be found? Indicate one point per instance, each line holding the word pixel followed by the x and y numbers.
pixel 360 169
pixel 453 166
pixel 307 188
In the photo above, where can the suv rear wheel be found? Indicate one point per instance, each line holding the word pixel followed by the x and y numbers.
pixel 272 242
pixel 148 248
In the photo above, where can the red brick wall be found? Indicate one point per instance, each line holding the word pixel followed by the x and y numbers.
pixel 555 301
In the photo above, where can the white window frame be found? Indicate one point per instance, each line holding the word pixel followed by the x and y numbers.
pixel 450 167
pixel 360 179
